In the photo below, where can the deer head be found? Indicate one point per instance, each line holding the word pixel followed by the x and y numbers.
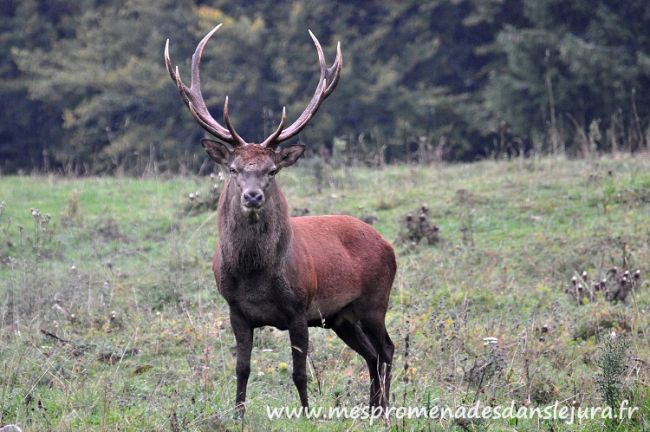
pixel 252 165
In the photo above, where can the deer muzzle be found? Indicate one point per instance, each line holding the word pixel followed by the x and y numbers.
pixel 252 199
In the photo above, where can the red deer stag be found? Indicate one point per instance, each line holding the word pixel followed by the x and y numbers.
pixel 291 272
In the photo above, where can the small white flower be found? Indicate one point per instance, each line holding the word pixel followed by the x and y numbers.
pixel 490 340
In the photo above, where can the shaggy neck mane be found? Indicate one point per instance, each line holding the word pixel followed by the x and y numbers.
pixel 251 243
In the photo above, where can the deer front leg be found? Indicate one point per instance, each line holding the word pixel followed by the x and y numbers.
pixel 299 336
pixel 244 337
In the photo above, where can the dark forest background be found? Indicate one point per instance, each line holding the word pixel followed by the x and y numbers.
pixel 84 89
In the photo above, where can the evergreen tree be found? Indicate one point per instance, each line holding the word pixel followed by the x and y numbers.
pixel 85 90
pixel 577 70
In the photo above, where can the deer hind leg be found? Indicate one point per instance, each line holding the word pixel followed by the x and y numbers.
pixel 375 330
pixel 356 339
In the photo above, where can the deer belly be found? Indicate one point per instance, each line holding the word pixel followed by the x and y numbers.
pixel 322 310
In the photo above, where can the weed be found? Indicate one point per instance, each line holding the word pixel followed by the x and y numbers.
pixel 42 234
pixel 417 229
pixel 614 286
pixel 206 198
pixel 612 365
pixel 466 202
pixel 72 214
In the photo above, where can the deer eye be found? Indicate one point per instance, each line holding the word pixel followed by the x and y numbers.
pixel 233 171
pixel 273 172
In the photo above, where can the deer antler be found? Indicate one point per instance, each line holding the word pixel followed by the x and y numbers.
pixel 193 97
pixel 329 78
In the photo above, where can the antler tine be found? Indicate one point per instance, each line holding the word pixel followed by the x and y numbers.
pixel 168 61
pixel 193 97
pixel 271 140
pixel 321 56
pixel 334 73
pixel 175 75
pixel 323 90
pixel 231 128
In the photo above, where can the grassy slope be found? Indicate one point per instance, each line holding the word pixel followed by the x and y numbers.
pixel 142 281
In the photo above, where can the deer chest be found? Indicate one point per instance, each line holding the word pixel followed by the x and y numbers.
pixel 262 300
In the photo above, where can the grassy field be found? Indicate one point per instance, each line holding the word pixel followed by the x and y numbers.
pixel 110 319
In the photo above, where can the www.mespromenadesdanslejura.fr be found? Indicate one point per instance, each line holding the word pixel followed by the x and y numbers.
pixel 556 411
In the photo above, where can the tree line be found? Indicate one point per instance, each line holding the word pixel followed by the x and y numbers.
pixel 84 89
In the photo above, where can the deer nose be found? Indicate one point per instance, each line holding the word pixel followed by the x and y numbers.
pixel 253 198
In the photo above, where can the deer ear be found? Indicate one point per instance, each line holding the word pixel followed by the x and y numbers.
pixel 218 151
pixel 289 155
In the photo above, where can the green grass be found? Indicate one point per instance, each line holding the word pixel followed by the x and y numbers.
pixel 123 275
